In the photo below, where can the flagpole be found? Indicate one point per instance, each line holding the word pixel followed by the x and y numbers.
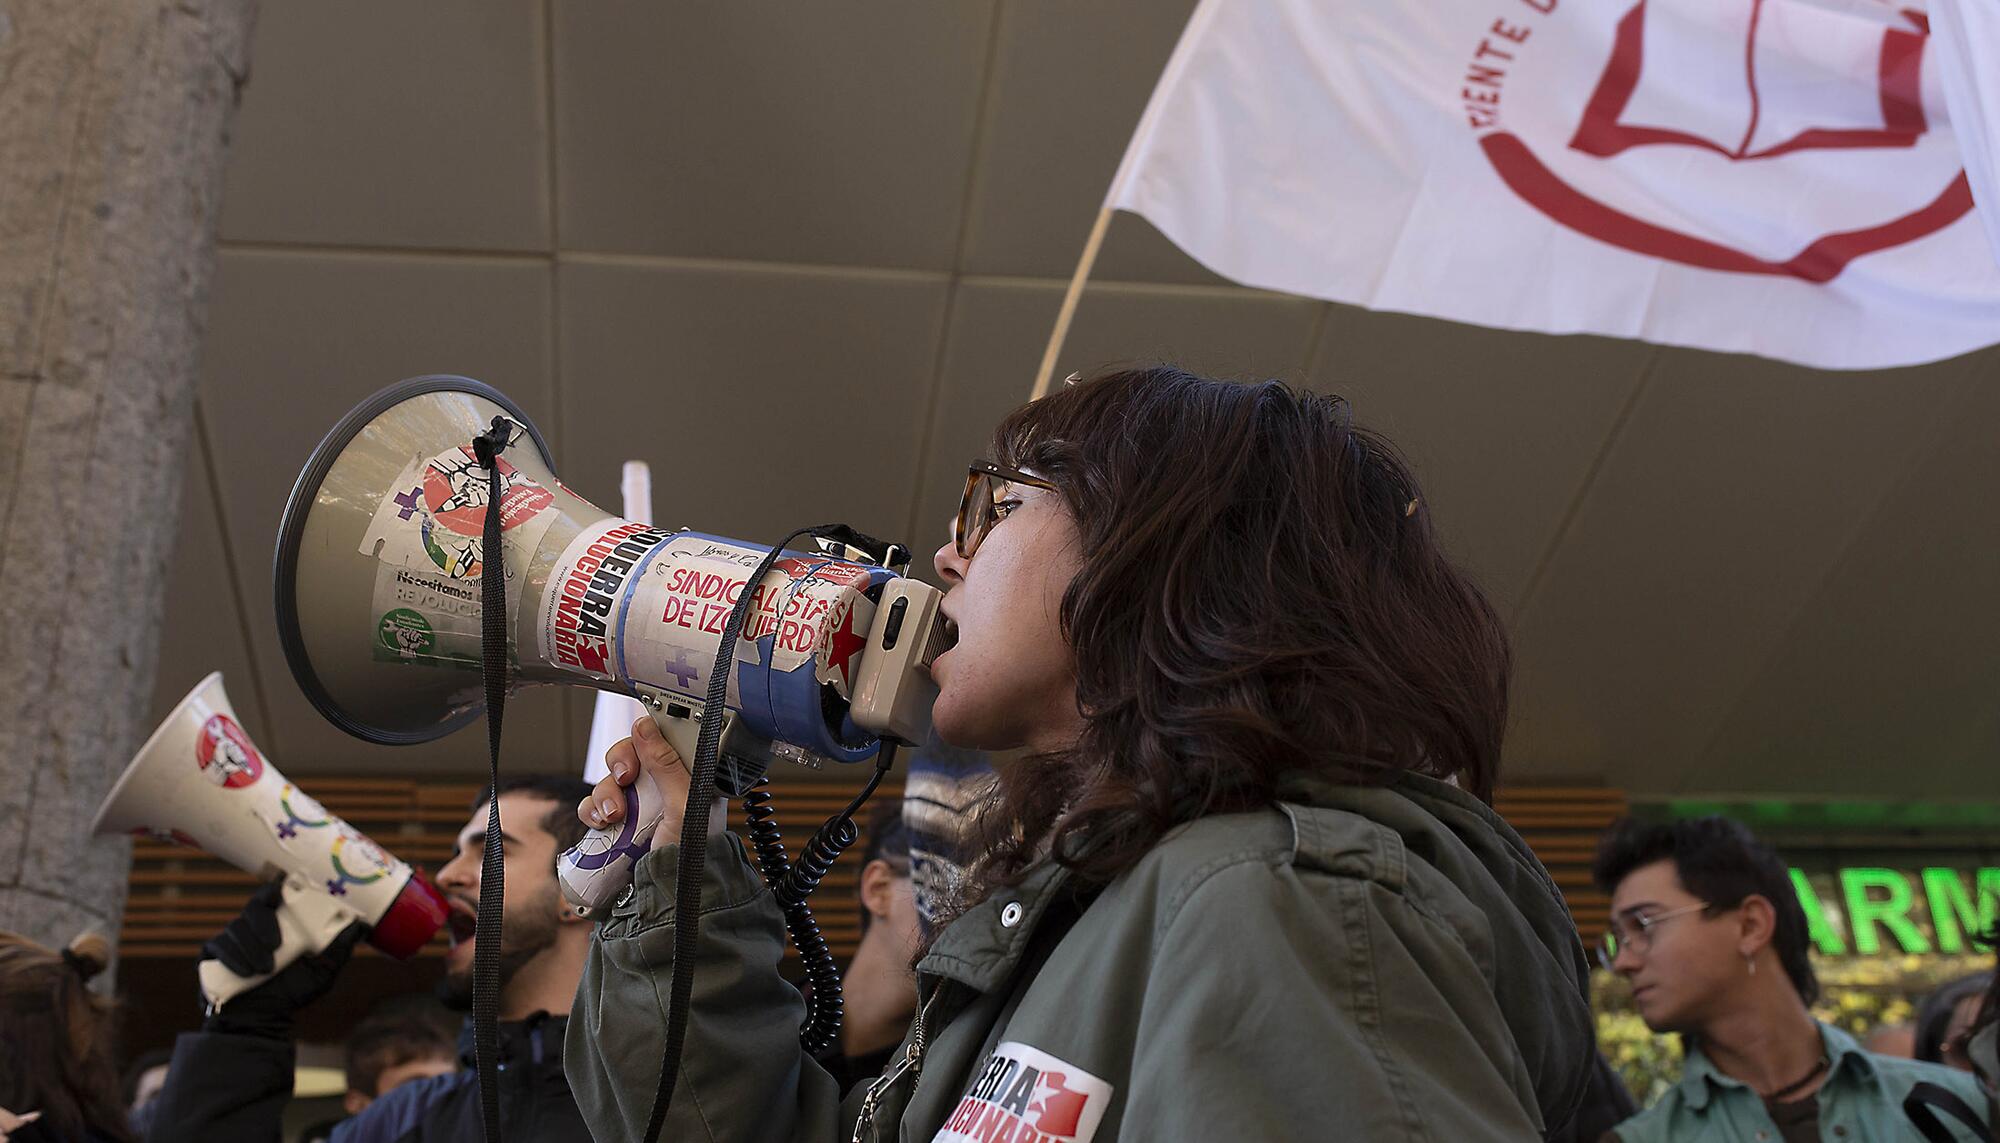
pixel 1068 311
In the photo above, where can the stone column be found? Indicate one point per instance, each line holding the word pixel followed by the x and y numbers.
pixel 114 123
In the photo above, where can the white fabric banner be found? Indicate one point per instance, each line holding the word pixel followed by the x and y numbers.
pixel 1966 36
pixel 1776 177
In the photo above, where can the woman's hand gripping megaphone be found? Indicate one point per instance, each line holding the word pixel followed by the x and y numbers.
pixel 647 788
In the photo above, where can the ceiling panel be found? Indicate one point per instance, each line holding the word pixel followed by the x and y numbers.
pixel 998 334
pixel 1733 489
pixel 778 132
pixel 1724 574
pixel 382 123
pixel 763 399
pixel 295 341
pixel 1502 428
pixel 203 629
pixel 1069 83
pixel 1885 684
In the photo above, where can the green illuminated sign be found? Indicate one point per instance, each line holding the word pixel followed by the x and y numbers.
pixel 1916 913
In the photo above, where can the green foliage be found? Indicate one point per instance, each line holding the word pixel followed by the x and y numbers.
pixel 1858 995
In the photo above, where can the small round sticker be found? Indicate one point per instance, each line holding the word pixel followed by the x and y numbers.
pixel 406 633
pixel 226 754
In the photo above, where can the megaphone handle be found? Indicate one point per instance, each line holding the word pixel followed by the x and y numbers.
pixel 307 921
pixel 595 872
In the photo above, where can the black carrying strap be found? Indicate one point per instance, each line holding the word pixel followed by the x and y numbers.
pixel 492 872
pixel 1927 1099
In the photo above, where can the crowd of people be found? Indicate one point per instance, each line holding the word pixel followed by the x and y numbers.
pixel 1240 878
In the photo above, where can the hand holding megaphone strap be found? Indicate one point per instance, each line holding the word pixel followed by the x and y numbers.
pixel 279 955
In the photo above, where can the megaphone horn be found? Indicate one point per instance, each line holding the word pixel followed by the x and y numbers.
pixel 379 569
pixel 201 781
pixel 378 572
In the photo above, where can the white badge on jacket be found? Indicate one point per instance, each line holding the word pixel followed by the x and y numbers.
pixel 1025 1094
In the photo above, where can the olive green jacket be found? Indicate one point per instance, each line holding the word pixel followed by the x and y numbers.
pixel 1352 964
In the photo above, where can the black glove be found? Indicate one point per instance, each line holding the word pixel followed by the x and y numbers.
pixel 247 946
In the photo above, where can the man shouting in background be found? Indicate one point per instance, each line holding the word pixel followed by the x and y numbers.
pixel 231 1080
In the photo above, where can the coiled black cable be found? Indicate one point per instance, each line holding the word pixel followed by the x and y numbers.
pixel 791 884
pixel 816 860
pixel 821 1026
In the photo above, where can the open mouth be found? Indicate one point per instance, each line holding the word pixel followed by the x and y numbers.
pixel 463 923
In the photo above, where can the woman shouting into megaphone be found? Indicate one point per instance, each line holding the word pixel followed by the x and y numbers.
pixel 1242 883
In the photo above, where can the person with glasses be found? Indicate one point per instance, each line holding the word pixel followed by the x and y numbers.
pixel 1238 877
pixel 1707 928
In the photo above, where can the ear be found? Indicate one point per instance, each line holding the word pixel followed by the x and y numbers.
pixel 1757 919
pixel 878 884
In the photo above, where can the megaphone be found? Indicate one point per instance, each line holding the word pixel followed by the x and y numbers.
pixel 200 781
pixel 379 570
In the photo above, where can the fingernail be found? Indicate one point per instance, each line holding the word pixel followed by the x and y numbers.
pixel 608 807
pixel 649 730
pixel 619 771
pixel 591 812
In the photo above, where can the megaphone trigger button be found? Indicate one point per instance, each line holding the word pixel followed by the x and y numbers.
pixel 894 627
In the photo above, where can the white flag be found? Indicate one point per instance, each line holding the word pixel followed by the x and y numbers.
pixel 1967 39
pixel 1764 176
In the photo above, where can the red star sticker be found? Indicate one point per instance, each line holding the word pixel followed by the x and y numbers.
pixel 844 643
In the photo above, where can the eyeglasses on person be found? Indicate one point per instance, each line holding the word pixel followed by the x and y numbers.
pixel 982 505
pixel 1636 932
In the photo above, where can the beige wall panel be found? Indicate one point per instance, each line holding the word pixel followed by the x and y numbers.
pixel 1885 686
pixel 1069 83
pixel 829 133
pixel 999 330
pixel 294 342
pixel 1735 486
pixel 204 629
pixel 763 399
pixel 384 123
pixel 1502 427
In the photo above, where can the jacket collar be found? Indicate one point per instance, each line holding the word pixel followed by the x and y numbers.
pixel 982 946
pixel 1701 1079
pixel 536 1039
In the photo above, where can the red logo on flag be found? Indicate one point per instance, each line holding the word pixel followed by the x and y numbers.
pixel 1682 93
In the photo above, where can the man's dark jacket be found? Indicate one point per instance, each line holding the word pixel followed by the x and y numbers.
pixel 234 1087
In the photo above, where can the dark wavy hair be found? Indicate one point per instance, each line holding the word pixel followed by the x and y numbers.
pixel 1261 594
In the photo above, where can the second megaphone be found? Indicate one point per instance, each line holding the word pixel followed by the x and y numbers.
pixel 379 573
pixel 201 781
